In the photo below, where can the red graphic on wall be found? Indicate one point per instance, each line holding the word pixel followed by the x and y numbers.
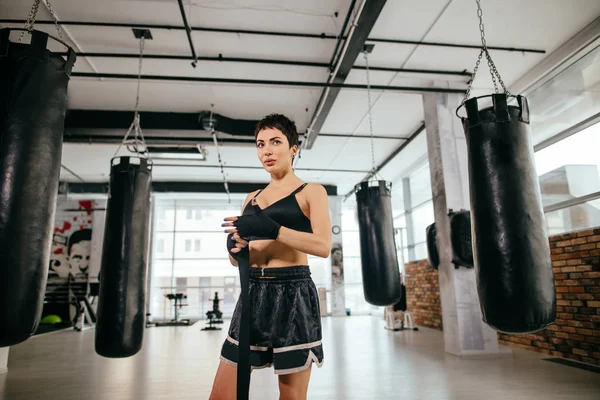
pixel 65 227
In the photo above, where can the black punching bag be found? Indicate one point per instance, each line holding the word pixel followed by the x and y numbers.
pixel 461 239
pixel 433 255
pixel 122 297
pixel 510 245
pixel 381 276
pixel 33 100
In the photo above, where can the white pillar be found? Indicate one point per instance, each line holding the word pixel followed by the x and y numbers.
pixel 4 360
pixel 465 333
pixel 338 295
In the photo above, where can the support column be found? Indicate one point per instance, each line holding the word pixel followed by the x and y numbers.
pixel 465 333
pixel 410 227
pixel 338 295
pixel 4 360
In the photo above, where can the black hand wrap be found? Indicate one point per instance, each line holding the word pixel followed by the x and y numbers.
pixel 231 245
pixel 257 225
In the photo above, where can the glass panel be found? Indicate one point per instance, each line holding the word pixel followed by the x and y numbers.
pixel 422 217
pixel 420 251
pixel 420 185
pixel 397 198
pixel 570 168
pixel 567 98
pixel 576 218
pixel 197 215
pixel 164 213
pixel 355 299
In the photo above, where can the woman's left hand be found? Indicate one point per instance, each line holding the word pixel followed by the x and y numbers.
pixel 252 225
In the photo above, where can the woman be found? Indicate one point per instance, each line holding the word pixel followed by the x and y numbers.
pixel 285 222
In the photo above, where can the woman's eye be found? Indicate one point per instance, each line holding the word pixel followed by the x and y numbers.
pixel 276 141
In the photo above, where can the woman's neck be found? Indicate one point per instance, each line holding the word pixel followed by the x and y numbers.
pixel 283 178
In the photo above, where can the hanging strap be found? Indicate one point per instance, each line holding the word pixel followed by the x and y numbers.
pixel 243 366
pixel 299 189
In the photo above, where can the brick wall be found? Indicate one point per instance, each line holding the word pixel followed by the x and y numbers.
pixel 576 333
pixel 423 294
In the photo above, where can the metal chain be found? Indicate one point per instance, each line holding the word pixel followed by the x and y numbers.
pixel 30 18
pixel 54 17
pixel 365 54
pixel 33 15
pixel 136 143
pixel 214 136
pixel 493 70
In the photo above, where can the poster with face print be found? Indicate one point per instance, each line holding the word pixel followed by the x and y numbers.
pixel 71 242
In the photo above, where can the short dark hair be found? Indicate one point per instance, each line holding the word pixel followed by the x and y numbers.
pixel 78 236
pixel 281 122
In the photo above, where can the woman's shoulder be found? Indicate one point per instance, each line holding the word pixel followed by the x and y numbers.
pixel 250 196
pixel 315 189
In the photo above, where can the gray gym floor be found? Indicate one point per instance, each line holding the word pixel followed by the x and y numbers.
pixel 362 361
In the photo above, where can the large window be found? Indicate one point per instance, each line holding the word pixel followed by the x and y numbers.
pixel 567 96
pixel 189 256
pixel 570 181
pixel 565 125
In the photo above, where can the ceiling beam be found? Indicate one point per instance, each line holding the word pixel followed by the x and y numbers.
pixel 83 136
pixel 321 36
pixel 367 15
pixel 296 63
pixel 161 128
pixel 389 158
pixel 335 87
pixel 188 32
pixel 175 187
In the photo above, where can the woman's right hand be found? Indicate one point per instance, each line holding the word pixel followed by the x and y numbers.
pixel 240 243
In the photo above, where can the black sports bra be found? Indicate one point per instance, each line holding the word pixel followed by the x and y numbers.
pixel 286 212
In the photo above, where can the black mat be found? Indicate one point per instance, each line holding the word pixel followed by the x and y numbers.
pixel 575 364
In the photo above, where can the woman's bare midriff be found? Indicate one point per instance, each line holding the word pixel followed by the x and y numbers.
pixel 273 254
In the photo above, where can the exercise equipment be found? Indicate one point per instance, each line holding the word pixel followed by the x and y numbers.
pixel 432 251
pixel 510 245
pixel 380 272
pixel 214 316
pixel 51 320
pixel 460 238
pixel 33 101
pixel 121 302
pixel 177 299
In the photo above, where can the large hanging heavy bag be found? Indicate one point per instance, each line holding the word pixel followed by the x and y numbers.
pixel 380 272
pixel 510 245
pixel 122 297
pixel 33 101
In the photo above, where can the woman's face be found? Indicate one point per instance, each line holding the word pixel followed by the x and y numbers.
pixel 273 150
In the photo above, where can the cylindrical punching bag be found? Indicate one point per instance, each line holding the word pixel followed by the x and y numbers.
pixel 433 255
pixel 122 296
pixel 33 101
pixel 381 276
pixel 510 246
pixel 461 239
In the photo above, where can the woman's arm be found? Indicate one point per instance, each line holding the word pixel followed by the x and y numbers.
pixel 317 243
pixel 248 198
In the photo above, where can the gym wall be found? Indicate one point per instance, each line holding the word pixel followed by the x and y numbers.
pixel 75 252
pixel 576 267
pixel 576 333
pixel 423 294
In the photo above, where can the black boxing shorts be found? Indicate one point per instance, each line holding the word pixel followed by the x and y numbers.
pixel 285 329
